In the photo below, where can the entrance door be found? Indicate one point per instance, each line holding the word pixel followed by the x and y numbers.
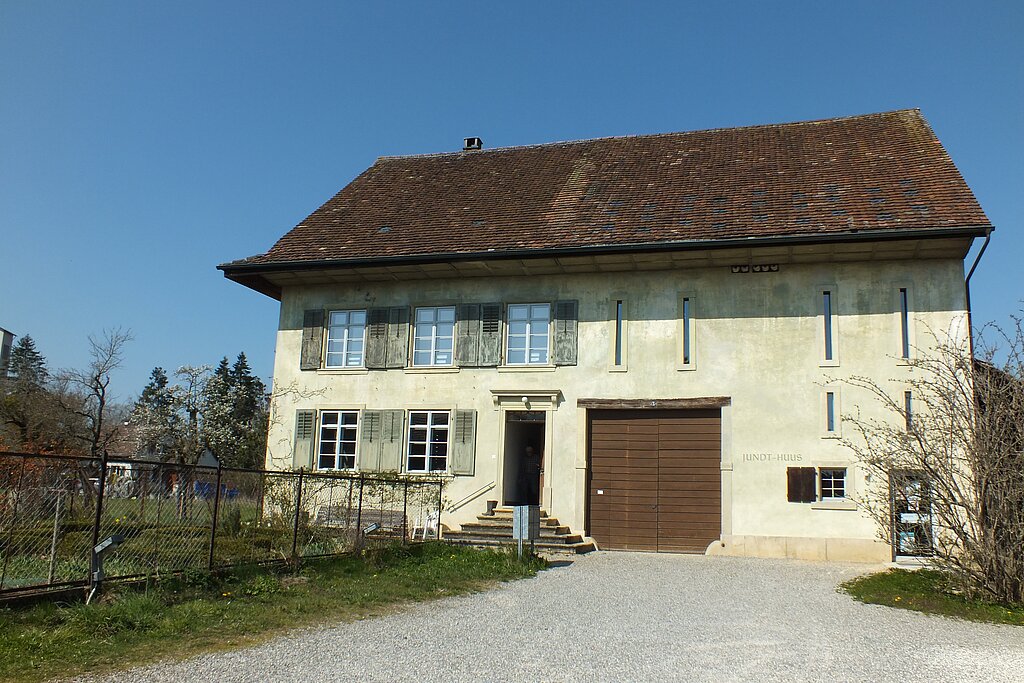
pixel 525 457
pixel 911 514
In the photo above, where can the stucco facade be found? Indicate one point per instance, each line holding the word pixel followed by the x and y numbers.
pixel 756 340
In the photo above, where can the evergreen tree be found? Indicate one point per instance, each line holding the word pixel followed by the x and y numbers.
pixel 27 366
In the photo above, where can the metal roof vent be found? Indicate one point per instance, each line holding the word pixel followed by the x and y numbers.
pixel 472 143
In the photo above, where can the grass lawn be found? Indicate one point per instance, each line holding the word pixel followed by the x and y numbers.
pixel 182 616
pixel 926 590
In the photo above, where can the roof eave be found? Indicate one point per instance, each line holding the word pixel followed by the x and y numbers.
pixel 250 274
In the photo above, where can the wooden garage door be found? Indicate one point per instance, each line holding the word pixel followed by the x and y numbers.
pixel 655 479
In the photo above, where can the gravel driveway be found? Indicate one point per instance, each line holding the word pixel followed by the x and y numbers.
pixel 635 617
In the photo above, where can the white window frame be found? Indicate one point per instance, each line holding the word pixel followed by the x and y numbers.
pixel 911 336
pixel 831 322
pixel 842 484
pixel 337 441
pixel 430 440
pixel 346 339
pixel 686 348
pixel 847 502
pixel 837 421
pixel 529 336
pixel 433 338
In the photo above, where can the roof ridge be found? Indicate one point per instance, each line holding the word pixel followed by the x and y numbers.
pixel 508 148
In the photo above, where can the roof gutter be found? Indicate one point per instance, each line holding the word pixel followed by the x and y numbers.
pixel 967 290
pixel 233 270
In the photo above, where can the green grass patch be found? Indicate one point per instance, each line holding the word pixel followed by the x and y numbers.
pixel 927 590
pixel 198 612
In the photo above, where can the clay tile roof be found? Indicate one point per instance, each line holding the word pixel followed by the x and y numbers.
pixel 874 172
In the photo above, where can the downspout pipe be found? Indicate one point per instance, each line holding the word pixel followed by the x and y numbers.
pixel 967 289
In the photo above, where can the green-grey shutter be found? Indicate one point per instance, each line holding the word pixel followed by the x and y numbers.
pixel 463 454
pixel 392 440
pixel 369 441
pixel 467 336
pixel 566 314
pixel 312 340
pixel 377 338
pixel 398 337
pixel 490 334
pixel 305 428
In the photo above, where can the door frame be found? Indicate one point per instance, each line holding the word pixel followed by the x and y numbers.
pixel 512 400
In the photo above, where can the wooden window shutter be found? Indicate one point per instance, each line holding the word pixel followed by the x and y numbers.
pixel 392 440
pixel 467 335
pixel 305 431
pixel 377 338
pixel 803 484
pixel 369 441
pixel 398 337
pixel 463 452
pixel 566 316
pixel 490 334
pixel 312 340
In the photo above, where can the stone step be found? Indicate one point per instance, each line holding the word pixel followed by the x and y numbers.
pixel 507 518
pixel 498 534
pixel 506 525
pixel 541 546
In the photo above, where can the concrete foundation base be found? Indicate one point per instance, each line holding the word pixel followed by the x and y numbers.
pixel 798 548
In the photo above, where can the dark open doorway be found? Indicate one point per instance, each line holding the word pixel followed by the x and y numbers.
pixel 524 457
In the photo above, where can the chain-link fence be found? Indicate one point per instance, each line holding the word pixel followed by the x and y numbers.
pixel 165 517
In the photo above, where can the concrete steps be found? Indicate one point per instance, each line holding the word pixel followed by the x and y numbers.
pixel 495 530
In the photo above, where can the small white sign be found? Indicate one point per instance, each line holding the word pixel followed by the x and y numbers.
pixel 600 492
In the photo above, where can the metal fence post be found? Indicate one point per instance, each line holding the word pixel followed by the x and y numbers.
pixel 359 515
pixel 440 504
pixel 405 512
pixel 298 511
pixel 213 523
pixel 98 519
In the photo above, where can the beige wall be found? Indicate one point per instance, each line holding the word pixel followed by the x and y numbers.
pixel 757 340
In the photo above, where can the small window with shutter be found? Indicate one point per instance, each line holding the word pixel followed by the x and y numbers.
pixel 803 484
pixel 428 441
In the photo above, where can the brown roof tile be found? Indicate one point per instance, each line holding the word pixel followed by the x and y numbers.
pixel 875 172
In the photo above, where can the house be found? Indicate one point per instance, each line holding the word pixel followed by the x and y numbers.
pixel 6 342
pixel 648 334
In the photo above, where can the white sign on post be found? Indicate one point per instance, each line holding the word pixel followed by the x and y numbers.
pixel 525 524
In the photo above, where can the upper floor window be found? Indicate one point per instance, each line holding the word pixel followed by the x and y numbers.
pixel 337 450
pixel 904 297
pixel 428 441
pixel 528 333
pixel 346 337
pixel 433 336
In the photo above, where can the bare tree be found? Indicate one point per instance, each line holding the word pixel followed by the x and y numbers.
pixel 86 393
pixel 949 457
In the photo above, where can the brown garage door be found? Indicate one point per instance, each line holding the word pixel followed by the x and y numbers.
pixel 655 479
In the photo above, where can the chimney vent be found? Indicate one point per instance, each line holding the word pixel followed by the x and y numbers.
pixel 472 143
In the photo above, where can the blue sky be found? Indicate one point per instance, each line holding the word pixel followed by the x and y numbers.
pixel 143 143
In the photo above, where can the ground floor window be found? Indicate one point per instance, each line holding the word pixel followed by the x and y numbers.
pixel 833 483
pixel 428 441
pixel 813 484
pixel 337 450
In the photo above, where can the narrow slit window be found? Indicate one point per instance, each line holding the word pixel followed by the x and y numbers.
pixel 826 301
pixel 686 331
pixel 908 401
pixel 618 332
pixel 904 323
pixel 830 412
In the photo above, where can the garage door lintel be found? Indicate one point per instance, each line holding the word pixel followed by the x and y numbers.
pixel 654 403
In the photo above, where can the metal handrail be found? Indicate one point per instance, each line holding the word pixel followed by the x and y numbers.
pixel 476 494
